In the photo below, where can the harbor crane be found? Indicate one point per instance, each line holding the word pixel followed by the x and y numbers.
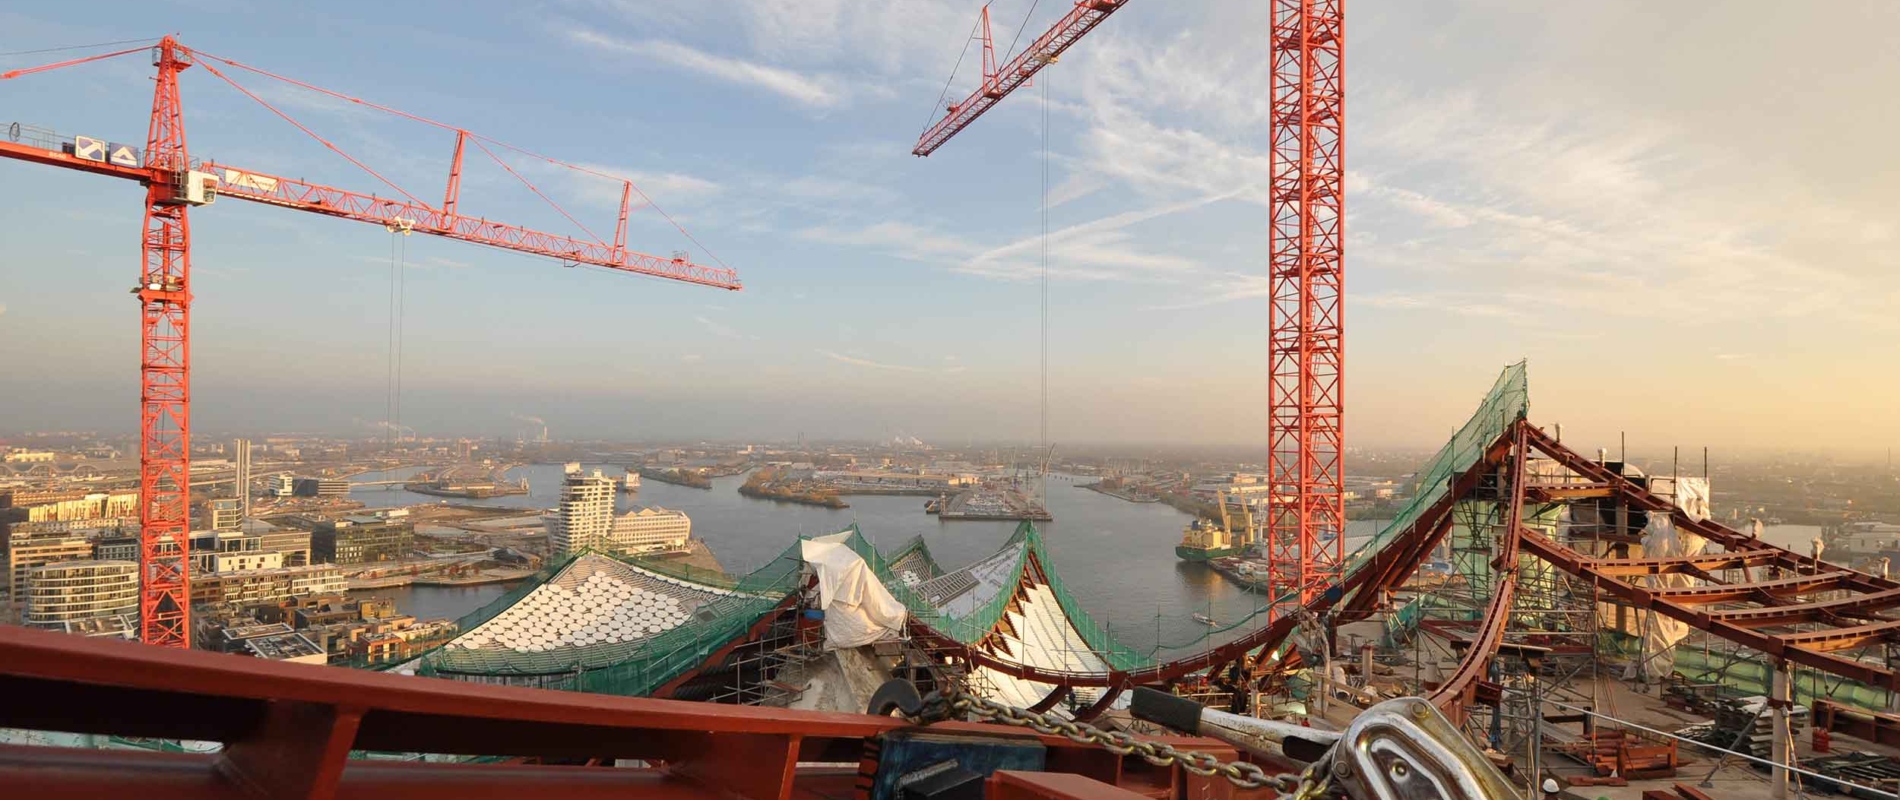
pixel 174 184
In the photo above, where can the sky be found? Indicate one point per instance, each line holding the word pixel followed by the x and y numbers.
pixel 1680 213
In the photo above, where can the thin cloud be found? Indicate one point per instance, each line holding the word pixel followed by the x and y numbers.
pixel 719 329
pixel 805 89
pixel 867 363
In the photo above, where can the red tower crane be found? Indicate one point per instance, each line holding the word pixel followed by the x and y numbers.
pixel 174 184
pixel 999 82
pixel 1306 516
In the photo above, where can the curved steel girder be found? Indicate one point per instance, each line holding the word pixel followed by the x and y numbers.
pixel 1096 708
pixel 1454 696
pixel 1050 700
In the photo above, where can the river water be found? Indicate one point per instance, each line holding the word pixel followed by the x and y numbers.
pixel 1116 557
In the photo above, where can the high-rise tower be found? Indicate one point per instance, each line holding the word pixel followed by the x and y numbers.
pixel 585 520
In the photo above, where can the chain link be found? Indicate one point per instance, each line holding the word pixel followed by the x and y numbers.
pixel 1310 784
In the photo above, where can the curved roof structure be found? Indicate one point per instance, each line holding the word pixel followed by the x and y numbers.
pixel 594 612
pixel 597 623
pixel 913 564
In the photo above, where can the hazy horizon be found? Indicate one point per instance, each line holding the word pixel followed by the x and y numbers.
pixel 1680 214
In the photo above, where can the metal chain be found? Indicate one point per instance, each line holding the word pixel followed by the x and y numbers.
pixel 1310 784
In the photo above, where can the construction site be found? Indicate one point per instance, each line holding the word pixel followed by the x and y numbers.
pixel 1535 621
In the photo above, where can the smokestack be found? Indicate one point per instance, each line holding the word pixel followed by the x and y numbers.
pixel 243 448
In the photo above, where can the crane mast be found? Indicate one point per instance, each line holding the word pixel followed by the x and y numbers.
pixel 164 294
pixel 173 184
pixel 1306 512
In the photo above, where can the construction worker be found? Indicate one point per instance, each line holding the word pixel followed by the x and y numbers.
pixel 1551 789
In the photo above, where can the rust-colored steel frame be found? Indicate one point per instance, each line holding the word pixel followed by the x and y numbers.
pixel 1306 517
pixel 1455 696
pixel 998 82
pixel 1399 559
pixel 1738 625
pixel 1814 649
pixel 288 730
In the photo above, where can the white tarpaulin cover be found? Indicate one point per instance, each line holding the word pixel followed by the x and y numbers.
pixel 858 609
pixel 1692 496
pixel 1661 539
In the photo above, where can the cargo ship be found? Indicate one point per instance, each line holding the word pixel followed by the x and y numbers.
pixel 1206 540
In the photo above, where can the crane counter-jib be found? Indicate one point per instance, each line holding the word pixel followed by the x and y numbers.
pixel 174 184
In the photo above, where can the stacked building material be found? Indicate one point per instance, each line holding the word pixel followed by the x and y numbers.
pixel 1733 716
pixel 1870 770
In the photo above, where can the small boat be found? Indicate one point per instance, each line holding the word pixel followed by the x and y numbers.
pixel 1205 619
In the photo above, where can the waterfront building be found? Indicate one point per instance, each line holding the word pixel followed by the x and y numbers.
pixel 651 529
pixel 91 506
pixel 254 587
pixel 24 552
pixel 320 487
pixel 73 591
pixel 363 539
pixel 293 544
pixel 585 519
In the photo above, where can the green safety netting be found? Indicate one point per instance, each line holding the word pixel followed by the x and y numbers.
pixel 626 668
pixel 972 627
pixel 1507 401
pixel 915 556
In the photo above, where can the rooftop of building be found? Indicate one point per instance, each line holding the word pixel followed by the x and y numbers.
pixel 236 633
pixel 282 646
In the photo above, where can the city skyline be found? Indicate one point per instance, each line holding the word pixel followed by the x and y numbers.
pixel 1649 223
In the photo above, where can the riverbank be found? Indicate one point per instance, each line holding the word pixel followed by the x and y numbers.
pixel 690 480
pixel 697 555
pixel 793 495
pixel 993 506
pixel 466 492
pixel 1118 493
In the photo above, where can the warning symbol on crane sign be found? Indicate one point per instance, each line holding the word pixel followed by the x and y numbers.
pixel 89 148
pixel 123 155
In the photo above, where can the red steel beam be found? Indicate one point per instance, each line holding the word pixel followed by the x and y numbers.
pixel 1807 612
pixel 1832 639
pixel 1083 18
pixel 1621 567
pixel 1775 647
pixel 288 729
pixel 294 194
pixel 1454 696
